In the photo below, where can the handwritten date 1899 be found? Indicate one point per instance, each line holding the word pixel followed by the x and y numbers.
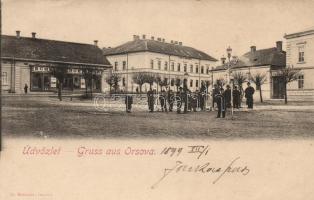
pixel 171 151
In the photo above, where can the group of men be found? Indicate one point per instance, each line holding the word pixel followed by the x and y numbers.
pixel 184 99
pixel 191 101
pixel 222 98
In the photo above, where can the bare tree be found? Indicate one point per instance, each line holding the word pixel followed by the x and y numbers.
pixel 150 78
pixel 139 79
pixel 113 80
pixel 220 82
pixel 59 72
pixel 259 79
pixel 288 74
pixel 239 79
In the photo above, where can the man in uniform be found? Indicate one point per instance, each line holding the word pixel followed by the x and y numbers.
pixel 179 99
pixel 236 97
pixel 221 104
pixel 170 98
pixel 163 101
pixel 249 92
pixel 150 100
pixel 202 96
pixel 128 103
pixel 227 96
pixel 216 91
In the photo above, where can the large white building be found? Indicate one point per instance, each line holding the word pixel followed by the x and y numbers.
pixel 171 60
pixel 300 54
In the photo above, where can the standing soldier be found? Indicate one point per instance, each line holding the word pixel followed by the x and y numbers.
pixel 163 101
pixel 227 95
pixel 202 96
pixel 221 104
pixel 249 92
pixel 179 99
pixel 170 98
pixel 236 97
pixel 150 100
pixel 216 91
pixel 128 103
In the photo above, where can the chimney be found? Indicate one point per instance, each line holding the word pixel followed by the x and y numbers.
pixel 159 39
pixel 175 42
pixel 223 60
pixel 180 43
pixel 18 34
pixel 33 35
pixel 253 49
pixel 171 41
pixel 135 37
pixel 152 38
pixel 96 43
pixel 144 37
pixel 279 46
pixel 163 39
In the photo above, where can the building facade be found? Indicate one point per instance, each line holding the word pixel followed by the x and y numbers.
pixel 264 62
pixel 171 61
pixel 300 55
pixel 32 61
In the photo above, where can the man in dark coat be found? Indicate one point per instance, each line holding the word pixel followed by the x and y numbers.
pixel 128 103
pixel 227 96
pixel 221 104
pixel 202 96
pixel 236 97
pixel 163 100
pixel 150 100
pixel 170 98
pixel 179 99
pixel 215 92
pixel 249 92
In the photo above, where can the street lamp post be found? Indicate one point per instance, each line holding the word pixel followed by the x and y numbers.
pixel 229 51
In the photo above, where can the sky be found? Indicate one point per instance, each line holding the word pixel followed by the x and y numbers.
pixel 207 25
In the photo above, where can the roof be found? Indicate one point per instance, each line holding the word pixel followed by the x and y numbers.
pixel 307 31
pixel 51 51
pixel 142 45
pixel 262 57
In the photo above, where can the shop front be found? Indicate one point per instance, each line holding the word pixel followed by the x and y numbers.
pixel 42 79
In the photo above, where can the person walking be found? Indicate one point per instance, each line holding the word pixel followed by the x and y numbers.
pixel 25 88
pixel 249 92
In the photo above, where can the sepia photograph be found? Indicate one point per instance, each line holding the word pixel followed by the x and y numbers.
pixel 131 79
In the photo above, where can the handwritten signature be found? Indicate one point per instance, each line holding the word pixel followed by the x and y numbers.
pixel 205 168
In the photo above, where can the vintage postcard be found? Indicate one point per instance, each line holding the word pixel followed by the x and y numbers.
pixel 157 100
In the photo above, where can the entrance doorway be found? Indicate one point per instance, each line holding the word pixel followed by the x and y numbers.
pixel 278 87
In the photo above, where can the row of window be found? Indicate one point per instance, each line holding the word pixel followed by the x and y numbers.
pixel 172 67
pixel 178 68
